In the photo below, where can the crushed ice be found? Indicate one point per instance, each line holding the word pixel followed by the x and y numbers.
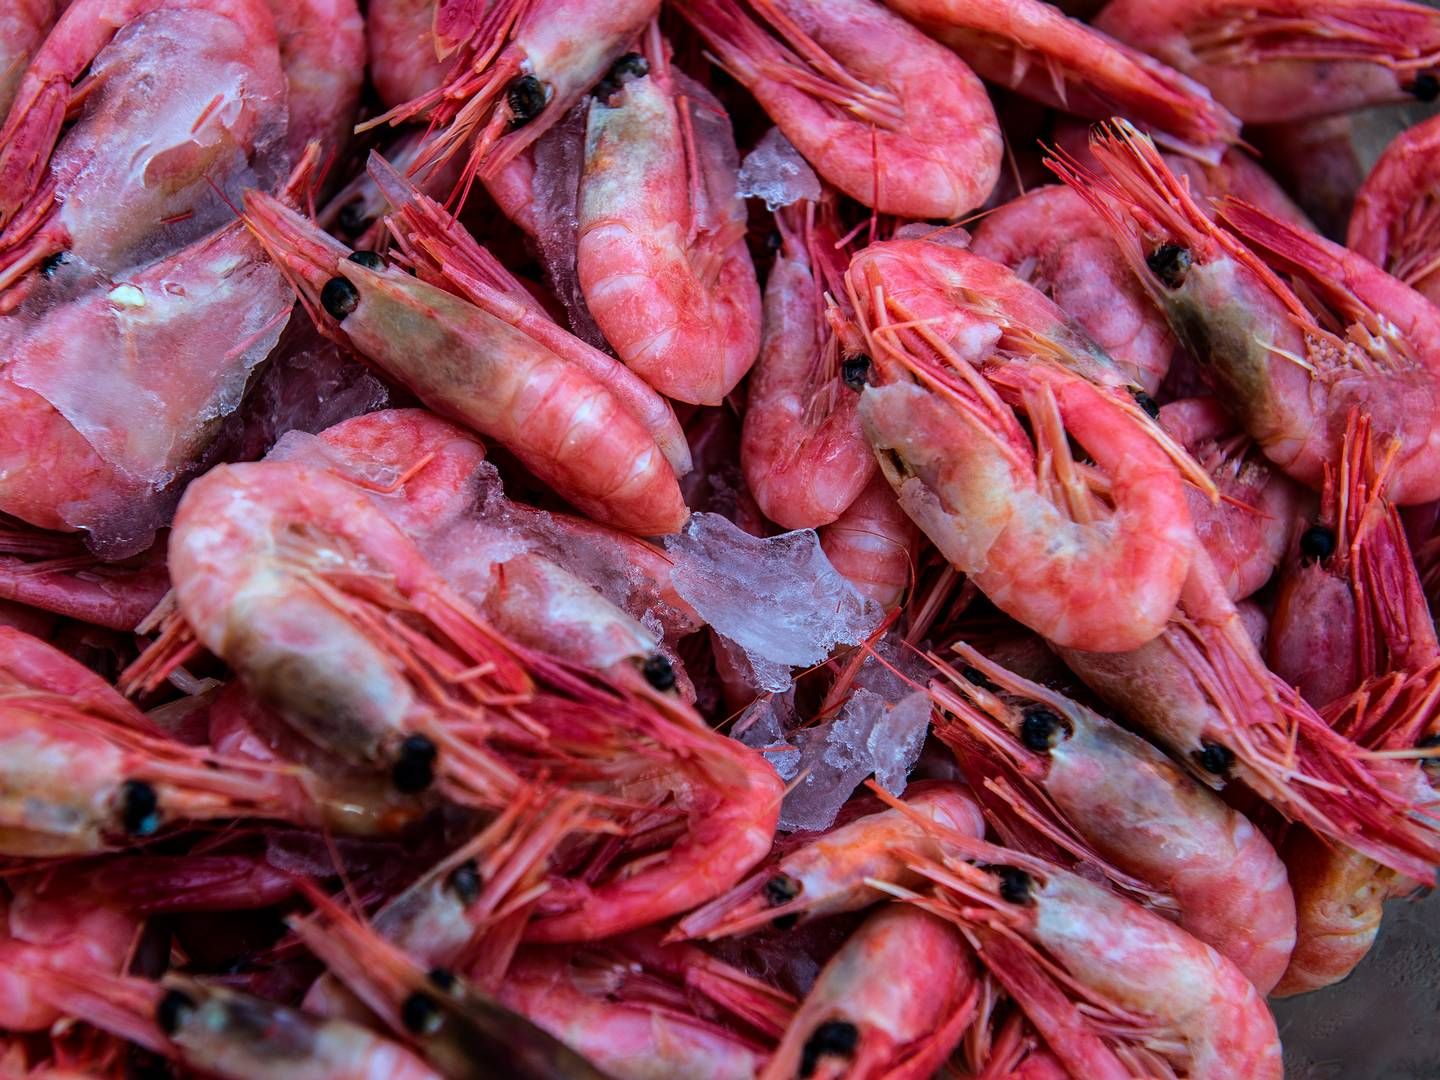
pixel 775 171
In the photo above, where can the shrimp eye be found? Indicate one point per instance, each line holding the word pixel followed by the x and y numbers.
pixel 1214 758
pixel 1170 263
pixel 414 769
pixel 368 259
pixel 834 1038
pixel 527 97
pixel 1014 884
pixel 855 371
pixel 172 1011
pixel 420 1014
pixel 781 889
pixel 339 297
pixel 51 264
pixel 139 808
pixel 1425 87
pixel 1317 543
pixel 1042 728
pixel 976 677
pixel 441 978
pixel 465 880
pixel 1146 402
pixel 658 671
pixel 353 218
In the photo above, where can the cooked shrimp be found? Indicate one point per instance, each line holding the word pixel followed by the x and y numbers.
pixel 661 252
pixel 1058 244
pixel 1247 532
pixel 891 118
pixel 400 39
pixel 570 429
pixel 801 447
pixel 1394 221
pixel 23 26
pixel 1290 380
pixel 322 47
pixel 873 544
pixel 831 873
pixel 1133 807
pixel 858 1021
pixel 1036 51
pixel 1270 61
pixel 154 145
pixel 55 573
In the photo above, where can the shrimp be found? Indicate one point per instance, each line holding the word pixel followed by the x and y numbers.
pixel 1291 381
pixel 55 573
pixel 1134 808
pixel 831 874
pixel 1152 994
pixel 891 118
pixel 873 545
pixel 661 252
pixel 322 48
pixel 1058 244
pixel 566 426
pixel 400 39
pixel 1272 61
pixel 23 26
pixel 1248 532
pixel 518 67
pixel 857 1021
pixel 804 456
pixel 1036 51
pixel 1395 216
pixel 217 118
pixel 228 1034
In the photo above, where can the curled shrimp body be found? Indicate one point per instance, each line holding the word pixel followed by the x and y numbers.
pixel 1277 60
pixel 1057 243
pixel 661 249
pixel 831 873
pixel 1291 381
pixel 570 429
pixel 801 447
pixel 1393 223
pixel 1033 49
pixel 891 118
pixel 400 40
pixel 858 1022
pixel 322 47
pixel 23 26
pixel 873 544
pixel 1132 805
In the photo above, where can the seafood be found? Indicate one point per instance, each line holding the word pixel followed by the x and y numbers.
pixel 400 36
pixel 23 26
pixel 1273 61
pixel 322 47
pixel 883 113
pixel 661 251
pixel 56 574
pixel 873 544
pixel 1393 221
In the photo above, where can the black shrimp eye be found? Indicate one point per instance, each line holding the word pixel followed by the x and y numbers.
pixel 1146 402
pixel 465 880
pixel 415 766
pixel 1214 758
pixel 658 671
pixel 1426 87
pixel 420 1014
pixel 442 979
pixel 855 371
pixel 174 1007
pixel 781 889
pixel 1042 729
pixel 339 297
pixel 368 259
pixel 139 808
pixel 834 1038
pixel 51 264
pixel 1170 263
pixel 1317 543
pixel 526 96
pixel 1014 884
pixel 353 218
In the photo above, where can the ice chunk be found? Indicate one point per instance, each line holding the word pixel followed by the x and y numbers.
pixel 893 670
pixel 777 597
pixel 763 727
pixel 775 171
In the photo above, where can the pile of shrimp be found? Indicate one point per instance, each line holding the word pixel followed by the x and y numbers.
pixel 433 435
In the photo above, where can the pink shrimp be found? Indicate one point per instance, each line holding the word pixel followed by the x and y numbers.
pixel 860 1022
pixel 832 873
pixel 56 574
pixel 661 250
pixel 1247 533
pixel 873 544
pixel 886 115
pixel 1036 51
pixel 322 47
pixel 1134 809
pixel 570 429
pixel 1057 243
pixel 218 119
pixel 400 35
pixel 23 26
pixel 801 447
pixel 1394 220
pixel 1291 381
